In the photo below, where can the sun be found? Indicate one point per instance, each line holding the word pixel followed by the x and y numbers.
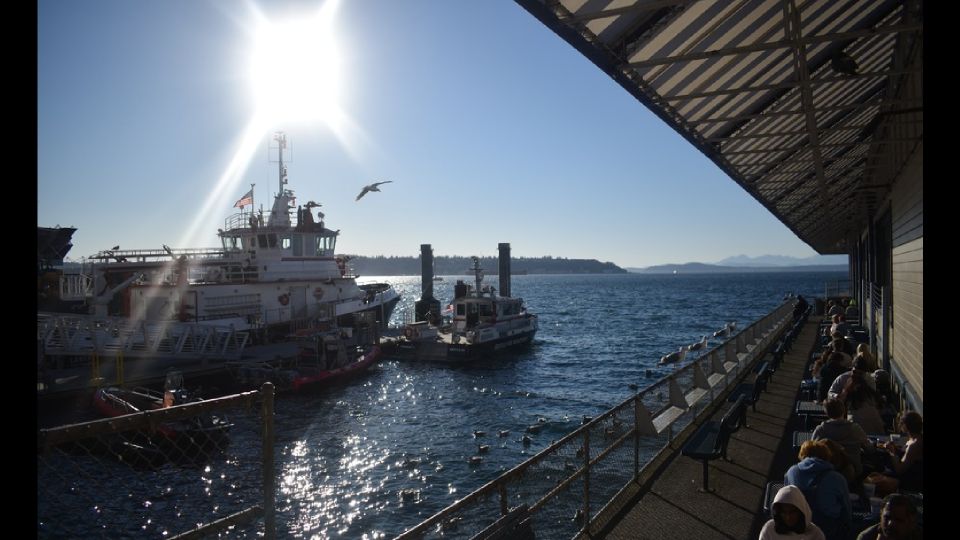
pixel 295 69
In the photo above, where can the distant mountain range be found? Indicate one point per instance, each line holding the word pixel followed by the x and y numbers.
pixel 783 260
pixel 763 263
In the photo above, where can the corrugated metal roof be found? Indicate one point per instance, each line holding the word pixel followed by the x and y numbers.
pixel 811 106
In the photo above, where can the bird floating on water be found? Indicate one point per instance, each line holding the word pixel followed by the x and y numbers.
pixel 372 187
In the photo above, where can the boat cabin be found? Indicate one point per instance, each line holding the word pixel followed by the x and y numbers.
pixel 472 311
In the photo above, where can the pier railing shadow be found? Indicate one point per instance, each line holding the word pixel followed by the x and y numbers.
pixel 169 472
pixel 569 487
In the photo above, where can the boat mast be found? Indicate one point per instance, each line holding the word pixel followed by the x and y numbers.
pixel 477 274
pixel 281 139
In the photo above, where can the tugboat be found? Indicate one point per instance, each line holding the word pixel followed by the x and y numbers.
pixel 326 355
pixel 271 270
pixel 482 323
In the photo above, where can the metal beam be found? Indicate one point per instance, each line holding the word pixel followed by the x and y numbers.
pixel 805 81
pixel 773 45
pixel 636 8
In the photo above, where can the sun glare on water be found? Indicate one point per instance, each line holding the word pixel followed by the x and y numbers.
pixel 295 69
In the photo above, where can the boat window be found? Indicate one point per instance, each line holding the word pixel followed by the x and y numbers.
pixel 325 245
pixel 262 240
pixel 285 242
pixel 461 309
pixel 232 243
pixel 486 310
pixel 253 241
pixel 297 245
pixel 272 239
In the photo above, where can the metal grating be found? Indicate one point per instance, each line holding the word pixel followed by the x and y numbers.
pixel 811 106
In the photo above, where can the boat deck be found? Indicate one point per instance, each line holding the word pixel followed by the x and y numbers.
pixel 670 505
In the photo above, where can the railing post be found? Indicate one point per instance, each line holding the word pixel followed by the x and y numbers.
pixel 269 494
pixel 586 480
pixel 504 506
pixel 636 437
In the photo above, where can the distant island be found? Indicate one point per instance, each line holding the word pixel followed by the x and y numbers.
pixel 701 268
pixel 456 266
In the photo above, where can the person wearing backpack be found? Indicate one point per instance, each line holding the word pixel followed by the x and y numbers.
pixel 824 488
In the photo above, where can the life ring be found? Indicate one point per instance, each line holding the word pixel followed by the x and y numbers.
pixel 408 332
pixel 318 293
pixel 284 299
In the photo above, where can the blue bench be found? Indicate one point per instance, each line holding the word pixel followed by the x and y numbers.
pixel 711 440
pixel 752 390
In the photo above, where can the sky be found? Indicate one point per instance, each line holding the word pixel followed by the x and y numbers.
pixel 152 123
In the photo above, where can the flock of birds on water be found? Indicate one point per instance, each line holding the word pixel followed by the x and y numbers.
pixel 476 459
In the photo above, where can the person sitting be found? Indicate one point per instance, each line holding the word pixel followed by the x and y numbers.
pixel 841 344
pixel 852 312
pixel 898 521
pixel 849 435
pixel 824 488
pixel 790 517
pixel 839 325
pixel 835 309
pixel 859 368
pixel 863 402
pixel 907 469
pixel 864 350
pixel 829 373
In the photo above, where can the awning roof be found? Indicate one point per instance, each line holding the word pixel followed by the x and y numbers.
pixel 812 107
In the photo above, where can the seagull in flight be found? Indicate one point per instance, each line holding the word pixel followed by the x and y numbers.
pixel 372 187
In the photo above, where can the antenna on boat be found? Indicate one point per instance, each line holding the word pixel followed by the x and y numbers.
pixel 281 139
pixel 477 273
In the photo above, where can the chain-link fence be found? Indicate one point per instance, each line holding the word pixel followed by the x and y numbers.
pixel 180 471
pixel 571 482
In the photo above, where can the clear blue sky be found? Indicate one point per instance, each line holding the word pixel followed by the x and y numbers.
pixel 491 128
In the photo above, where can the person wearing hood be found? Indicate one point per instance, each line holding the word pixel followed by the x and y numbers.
pixel 825 489
pixel 791 517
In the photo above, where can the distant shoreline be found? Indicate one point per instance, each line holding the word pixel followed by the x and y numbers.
pixel 700 268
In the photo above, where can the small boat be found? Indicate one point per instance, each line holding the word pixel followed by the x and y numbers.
pixel 482 324
pixel 437 278
pixel 190 439
pixel 326 355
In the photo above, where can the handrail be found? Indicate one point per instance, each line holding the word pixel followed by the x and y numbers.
pixel 673 398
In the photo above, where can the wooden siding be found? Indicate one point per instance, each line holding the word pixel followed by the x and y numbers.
pixel 907 214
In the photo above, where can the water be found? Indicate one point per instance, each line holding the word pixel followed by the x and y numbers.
pixel 374 457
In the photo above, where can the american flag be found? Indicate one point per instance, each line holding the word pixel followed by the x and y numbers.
pixel 245 200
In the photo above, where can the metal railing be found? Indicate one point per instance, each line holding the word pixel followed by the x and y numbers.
pixel 88 334
pixel 839 287
pixel 177 472
pixel 566 483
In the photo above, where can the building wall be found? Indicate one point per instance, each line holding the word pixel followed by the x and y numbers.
pixel 907 324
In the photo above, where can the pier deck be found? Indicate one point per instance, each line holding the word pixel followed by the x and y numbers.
pixel 670 505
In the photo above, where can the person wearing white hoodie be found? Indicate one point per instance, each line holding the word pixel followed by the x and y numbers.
pixel 791 518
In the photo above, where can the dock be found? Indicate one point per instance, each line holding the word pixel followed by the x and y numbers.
pixel 669 505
